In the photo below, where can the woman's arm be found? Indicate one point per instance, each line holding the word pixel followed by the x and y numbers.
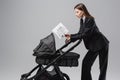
pixel 89 25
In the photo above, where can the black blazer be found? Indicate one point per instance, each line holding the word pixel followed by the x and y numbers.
pixel 93 39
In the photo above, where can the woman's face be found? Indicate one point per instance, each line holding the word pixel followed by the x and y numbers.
pixel 78 13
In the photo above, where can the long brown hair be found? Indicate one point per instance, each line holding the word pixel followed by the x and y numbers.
pixel 82 7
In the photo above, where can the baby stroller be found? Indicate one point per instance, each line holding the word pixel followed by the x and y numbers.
pixel 46 54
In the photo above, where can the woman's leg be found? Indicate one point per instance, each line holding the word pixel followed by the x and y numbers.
pixel 103 61
pixel 87 64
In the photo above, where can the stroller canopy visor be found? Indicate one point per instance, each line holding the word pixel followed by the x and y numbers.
pixel 46 46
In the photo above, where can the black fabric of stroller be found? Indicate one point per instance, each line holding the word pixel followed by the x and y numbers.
pixel 45 52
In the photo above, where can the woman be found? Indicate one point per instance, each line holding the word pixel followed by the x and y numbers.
pixel 95 42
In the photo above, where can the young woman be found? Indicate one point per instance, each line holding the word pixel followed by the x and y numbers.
pixel 95 42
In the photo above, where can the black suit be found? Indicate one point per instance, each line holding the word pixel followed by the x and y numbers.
pixel 96 43
pixel 94 40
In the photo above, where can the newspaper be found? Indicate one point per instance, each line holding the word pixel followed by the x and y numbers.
pixel 60 30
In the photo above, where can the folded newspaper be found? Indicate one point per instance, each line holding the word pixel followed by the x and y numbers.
pixel 60 30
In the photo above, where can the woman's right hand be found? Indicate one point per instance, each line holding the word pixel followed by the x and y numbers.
pixel 68 36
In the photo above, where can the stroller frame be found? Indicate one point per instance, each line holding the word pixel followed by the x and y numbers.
pixel 53 63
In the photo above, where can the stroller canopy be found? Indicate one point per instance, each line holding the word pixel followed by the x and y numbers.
pixel 46 46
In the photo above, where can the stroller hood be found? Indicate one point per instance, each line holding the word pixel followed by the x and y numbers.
pixel 46 46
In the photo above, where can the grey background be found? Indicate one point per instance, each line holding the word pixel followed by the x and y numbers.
pixel 24 22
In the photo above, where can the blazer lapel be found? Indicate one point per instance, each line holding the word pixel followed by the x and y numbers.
pixel 86 19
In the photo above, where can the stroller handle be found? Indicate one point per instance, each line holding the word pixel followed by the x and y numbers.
pixel 65 45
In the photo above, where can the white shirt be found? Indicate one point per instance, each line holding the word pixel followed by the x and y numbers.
pixel 83 19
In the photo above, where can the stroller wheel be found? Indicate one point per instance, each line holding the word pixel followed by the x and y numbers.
pixel 66 77
pixel 57 77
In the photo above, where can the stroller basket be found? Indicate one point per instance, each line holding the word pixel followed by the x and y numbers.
pixel 46 54
pixel 69 60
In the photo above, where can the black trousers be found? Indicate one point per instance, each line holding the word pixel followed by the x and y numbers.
pixel 89 60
